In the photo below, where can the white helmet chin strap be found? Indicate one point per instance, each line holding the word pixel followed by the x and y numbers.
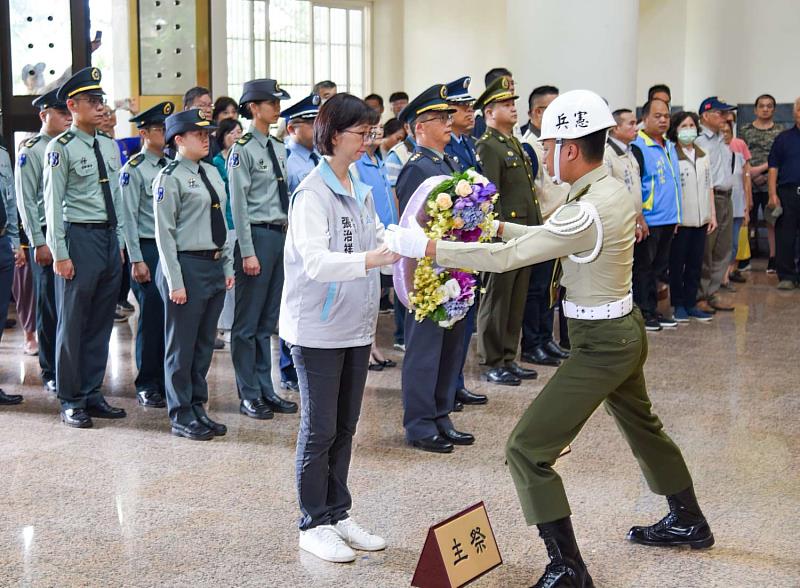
pixel 556 177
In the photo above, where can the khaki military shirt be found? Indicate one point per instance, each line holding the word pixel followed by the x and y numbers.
pixel 72 189
pixel 593 235
pixel 253 185
pixel 505 163
pixel 30 187
pixel 622 165
pixel 136 181
pixel 182 209
pixel 550 194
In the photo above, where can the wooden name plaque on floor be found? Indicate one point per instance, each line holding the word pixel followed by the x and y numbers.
pixel 458 550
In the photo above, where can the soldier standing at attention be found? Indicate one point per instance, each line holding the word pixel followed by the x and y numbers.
pixel 260 200
pixel 194 270
pixel 507 165
pixel 592 236
pixel 56 119
pixel 136 181
pixel 83 207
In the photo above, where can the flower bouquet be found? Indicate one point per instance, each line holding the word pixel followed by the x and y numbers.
pixel 453 208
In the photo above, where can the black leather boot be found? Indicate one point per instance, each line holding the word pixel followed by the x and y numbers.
pixel 566 568
pixel 683 525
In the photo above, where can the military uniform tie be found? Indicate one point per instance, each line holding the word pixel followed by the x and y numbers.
pixel 314 158
pixel 162 162
pixel 103 173
pixel 283 190
pixel 218 230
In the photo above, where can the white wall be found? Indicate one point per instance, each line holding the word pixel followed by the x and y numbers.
pixel 387 48
pixel 662 48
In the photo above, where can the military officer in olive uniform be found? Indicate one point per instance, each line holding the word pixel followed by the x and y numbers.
pixel 136 180
pixel 194 270
pixel 592 236
pixel 507 165
pixel 56 119
pixel 10 252
pixel 433 354
pixel 83 210
pixel 260 200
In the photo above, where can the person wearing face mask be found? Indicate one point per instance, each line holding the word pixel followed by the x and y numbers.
pixel 661 210
pixel 699 219
pixel 592 238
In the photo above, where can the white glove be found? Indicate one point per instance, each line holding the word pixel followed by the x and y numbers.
pixel 495 227
pixel 408 242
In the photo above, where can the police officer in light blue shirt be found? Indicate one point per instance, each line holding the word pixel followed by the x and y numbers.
pixel 257 181
pixel 83 208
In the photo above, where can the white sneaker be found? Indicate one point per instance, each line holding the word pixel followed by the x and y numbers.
pixel 326 543
pixel 357 537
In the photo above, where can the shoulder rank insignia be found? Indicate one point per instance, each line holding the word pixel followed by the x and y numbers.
pixel 415 156
pixel 245 139
pixel 136 159
pixel 170 168
pixel 32 141
pixel 103 134
pixel 66 137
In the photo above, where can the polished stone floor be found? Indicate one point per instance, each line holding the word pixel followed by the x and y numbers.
pixel 127 504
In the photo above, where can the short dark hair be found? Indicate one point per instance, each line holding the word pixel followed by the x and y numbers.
pixel 324 85
pixel 494 73
pixel 225 127
pixel 374 117
pixel 676 119
pixel 592 146
pixel 398 96
pixel 769 97
pixel 659 88
pixel 374 97
pixel 193 94
pixel 649 105
pixel 338 114
pixel 221 104
pixel 392 126
pixel 541 91
pixel 619 112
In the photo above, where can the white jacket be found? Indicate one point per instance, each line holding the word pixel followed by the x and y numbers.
pixel 697 187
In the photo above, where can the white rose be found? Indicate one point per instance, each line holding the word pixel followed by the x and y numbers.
pixel 476 177
pixel 463 188
pixel 443 292
pixel 452 288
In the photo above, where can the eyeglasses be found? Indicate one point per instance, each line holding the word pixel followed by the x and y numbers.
pixel 444 117
pixel 365 137
pixel 92 100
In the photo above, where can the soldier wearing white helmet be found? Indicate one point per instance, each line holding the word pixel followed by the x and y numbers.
pixel 592 236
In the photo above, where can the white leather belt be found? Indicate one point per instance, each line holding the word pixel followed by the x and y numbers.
pixel 611 310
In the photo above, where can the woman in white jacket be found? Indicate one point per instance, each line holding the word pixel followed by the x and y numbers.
pixel 698 218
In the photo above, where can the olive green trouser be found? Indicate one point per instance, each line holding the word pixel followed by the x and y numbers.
pixel 606 364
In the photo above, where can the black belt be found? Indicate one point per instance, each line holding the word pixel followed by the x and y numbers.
pixel 791 187
pixel 103 225
pixel 146 240
pixel 271 227
pixel 719 192
pixel 212 254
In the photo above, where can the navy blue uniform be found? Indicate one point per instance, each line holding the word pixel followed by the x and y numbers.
pixel 433 354
pixel 463 152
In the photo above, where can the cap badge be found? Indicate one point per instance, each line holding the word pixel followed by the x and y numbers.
pixel 95 74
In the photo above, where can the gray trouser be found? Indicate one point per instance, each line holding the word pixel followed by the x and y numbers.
pixel 44 280
pixel 190 330
pixel 718 248
pixel 85 307
pixel 331 387
pixel 255 314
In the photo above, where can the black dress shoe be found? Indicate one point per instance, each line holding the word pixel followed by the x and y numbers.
pixel 457 437
pixel 458 406
pixel 464 396
pixel 77 418
pixel 103 410
pixel 151 398
pixel 50 386
pixel 256 409
pixel 290 385
pixel 435 444
pixel 539 356
pixel 278 404
pixel 9 399
pixel 521 372
pixel 218 429
pixel 555 350
pixel 196 431
pixel 683 525
pixel 501 376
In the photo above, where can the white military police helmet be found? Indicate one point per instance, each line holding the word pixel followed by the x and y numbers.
pixel 572 115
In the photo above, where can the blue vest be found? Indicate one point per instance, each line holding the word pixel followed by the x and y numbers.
pixel 661 181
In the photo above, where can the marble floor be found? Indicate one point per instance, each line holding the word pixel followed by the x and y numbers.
pixel 127 504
